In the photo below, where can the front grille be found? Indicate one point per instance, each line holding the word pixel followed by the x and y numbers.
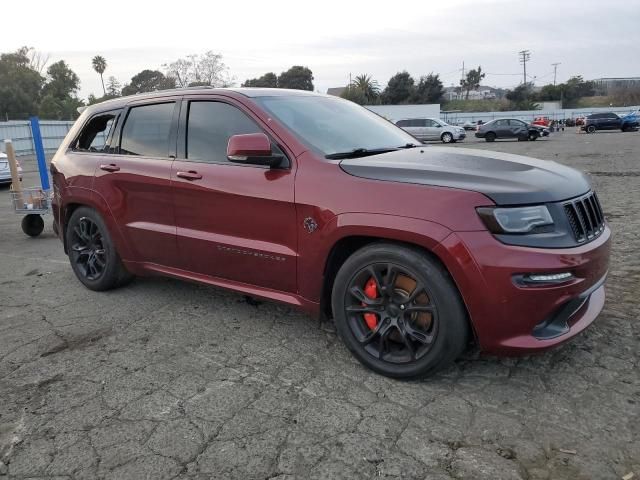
pixel 585 217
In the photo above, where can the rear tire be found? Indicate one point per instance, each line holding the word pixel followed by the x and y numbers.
pixel 420 324
pixel 490 137
pixel 92 254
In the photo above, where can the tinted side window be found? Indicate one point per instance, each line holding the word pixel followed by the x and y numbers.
pixel 209 126
pixel 147 130
pixel 403 123
pixel 430 123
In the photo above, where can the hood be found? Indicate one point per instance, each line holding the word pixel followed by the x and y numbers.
pixel 505 178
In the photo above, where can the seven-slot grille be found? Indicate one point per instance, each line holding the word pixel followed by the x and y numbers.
pixel 585 217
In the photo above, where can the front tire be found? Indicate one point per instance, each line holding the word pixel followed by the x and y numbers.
pixel 398 311
pixel 92 254
pixel 446 137
pixel 533 136
pixel 591 129
pixel 490 137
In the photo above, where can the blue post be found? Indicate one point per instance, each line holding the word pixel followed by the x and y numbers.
pixel 42 161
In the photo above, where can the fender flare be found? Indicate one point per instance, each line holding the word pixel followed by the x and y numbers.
pixel 316 251
pixel 90 198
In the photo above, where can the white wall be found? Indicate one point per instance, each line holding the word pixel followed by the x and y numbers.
pixel 398 112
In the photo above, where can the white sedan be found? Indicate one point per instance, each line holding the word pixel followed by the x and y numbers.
pixel 5 171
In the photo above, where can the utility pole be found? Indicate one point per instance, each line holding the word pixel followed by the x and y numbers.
pixel 524 55
pixel 555 69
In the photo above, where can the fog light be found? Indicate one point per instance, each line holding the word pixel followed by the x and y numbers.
pixel 547 277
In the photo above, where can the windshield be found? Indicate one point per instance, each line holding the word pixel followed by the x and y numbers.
pixel 333 125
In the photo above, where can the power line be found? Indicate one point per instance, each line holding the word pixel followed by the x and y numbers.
pixel 524 55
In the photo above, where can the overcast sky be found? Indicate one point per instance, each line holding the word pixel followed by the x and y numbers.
pixel 590 38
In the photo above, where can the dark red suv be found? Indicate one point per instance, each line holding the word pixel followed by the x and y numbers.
pixel 316 202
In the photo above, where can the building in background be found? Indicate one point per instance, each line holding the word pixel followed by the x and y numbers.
pixel 606 84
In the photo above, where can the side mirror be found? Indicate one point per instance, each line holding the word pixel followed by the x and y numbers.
pixel 252 149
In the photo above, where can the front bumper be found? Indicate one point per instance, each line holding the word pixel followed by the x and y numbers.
pixel 460 135
pixel 512 318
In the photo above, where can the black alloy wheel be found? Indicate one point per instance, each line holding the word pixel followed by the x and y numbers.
pixel 87 250
pixel 405 320
pixel 398 311
pixel 92 254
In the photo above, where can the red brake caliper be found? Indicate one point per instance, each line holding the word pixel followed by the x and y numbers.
pixel 371 291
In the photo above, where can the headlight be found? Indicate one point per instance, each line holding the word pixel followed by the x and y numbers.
pixel 515 220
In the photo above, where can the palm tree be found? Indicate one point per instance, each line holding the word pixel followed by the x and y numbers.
pixel 367 85
pixel 100 65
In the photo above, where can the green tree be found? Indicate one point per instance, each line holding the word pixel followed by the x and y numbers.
pixel 20 86
pixel 148 81
pixel 297 78
pixel 400 89
pixel 472 80
pixel 59 100
pixel 354 95
pixel 100 65
pixel 113 87
pixel 368 86
pixel 576 88
pixel 550 93
pixel 520 98
pixel 429 89
pixel 268 80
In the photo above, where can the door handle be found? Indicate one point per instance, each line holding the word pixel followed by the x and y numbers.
pixel 111 167
pixel 190 175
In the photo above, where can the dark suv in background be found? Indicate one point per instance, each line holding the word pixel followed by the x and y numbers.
pixel 609 121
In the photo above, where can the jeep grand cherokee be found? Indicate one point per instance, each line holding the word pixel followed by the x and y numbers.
pixel 319 203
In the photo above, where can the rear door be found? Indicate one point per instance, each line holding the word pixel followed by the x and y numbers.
pixel 234 221
pixel 432 129
pixel 135 180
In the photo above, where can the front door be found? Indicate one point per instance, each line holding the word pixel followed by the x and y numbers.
pixel 235 222
pixel 135 182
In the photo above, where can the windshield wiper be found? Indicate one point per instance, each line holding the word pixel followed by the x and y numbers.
pixel 365 152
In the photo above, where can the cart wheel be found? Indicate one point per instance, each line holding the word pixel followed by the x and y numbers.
pixel 32 225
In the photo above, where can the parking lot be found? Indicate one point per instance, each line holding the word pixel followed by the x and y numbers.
pixel 166 379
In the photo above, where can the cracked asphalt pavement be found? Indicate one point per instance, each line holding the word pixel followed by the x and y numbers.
pixel 164 379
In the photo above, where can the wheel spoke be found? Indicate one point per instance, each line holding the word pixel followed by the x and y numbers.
pixel 364 308
pixel 419 308
pixel 419 336
pixel 390 278
pixel 359 294
pixel 383 343
pixel 419 288
pixel 82 249
pixel 406 341
pixel 377 277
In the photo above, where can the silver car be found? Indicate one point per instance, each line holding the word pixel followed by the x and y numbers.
pixel 425 129
pixel 5 171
